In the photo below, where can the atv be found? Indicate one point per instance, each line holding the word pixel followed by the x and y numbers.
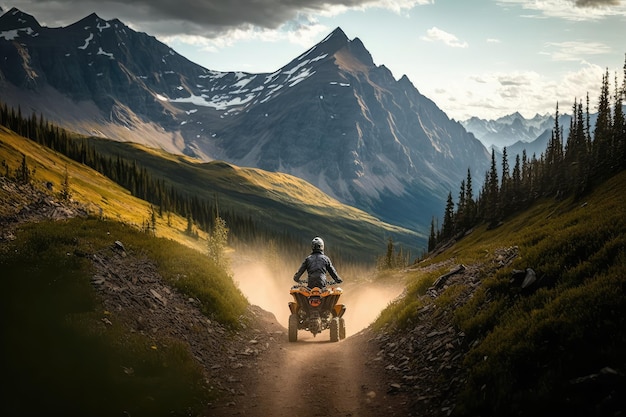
pixel 315 310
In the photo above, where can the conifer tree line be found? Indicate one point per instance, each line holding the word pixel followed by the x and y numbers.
pixel 569 166
pixel 199 212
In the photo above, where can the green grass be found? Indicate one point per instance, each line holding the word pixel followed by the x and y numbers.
pixel 57 355
pixel 100 195
pixel 279 203
pixel 530 345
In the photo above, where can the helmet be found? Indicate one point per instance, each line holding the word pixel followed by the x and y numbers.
pixel 317 243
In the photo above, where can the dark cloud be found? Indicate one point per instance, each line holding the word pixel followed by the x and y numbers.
pixel 597 3
pixel 191 17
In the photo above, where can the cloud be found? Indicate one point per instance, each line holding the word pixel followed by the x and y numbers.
pixel 435 34
pixel 213 24
pixel 596 3
pixel 575 51
pixel 496 94
pixel 200 17
pixel 574 10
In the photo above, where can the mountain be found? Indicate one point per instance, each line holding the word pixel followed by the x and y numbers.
pixel 509 129
pixel 536 146
pixel 330 116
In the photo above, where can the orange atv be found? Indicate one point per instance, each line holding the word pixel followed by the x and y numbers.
pixel 315 310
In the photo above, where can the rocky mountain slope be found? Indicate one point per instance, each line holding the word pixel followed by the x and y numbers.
pixel 330 116
pixel 507 130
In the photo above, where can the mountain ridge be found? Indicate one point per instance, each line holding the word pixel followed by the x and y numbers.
pixel 330 116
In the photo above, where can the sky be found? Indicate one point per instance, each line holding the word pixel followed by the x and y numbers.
pixel 483 58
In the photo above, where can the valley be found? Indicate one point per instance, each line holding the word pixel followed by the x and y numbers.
pixel 153 212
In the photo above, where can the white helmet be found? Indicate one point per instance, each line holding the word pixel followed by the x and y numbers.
pixel 317 243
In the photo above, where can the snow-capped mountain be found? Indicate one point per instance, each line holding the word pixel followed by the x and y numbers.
pixel 509 129
pixel 330 116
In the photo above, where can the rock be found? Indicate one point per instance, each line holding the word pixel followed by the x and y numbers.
pixel 394 388
pixel 119 246
pixel 529 279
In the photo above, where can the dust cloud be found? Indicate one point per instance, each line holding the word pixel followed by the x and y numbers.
pixel 269 289
pixel 265 288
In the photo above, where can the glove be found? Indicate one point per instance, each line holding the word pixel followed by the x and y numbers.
pixel 338 281
pixel 296 279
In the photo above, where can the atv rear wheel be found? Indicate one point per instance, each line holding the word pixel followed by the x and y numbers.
pixel 334 330
pixel 293 328
pixel 342 328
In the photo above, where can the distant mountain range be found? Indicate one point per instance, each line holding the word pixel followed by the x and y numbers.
pixel 508 130
pixel 519 134
pixel 330 116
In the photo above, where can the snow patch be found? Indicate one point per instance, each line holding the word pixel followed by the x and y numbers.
pixel 102 52
pixel 271 77
pixel 214 74
pixel 105 26
pixel 10 35
pixel 243 82
pixel 274 88
pixel 303 75
pixel 296 68
pixel 87 41
pixel 217 102
pixel 319 57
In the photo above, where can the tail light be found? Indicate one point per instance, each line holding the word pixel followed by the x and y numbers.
pixel 315 301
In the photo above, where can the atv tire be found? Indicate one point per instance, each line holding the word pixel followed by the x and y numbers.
pixel 342 328
pixel 293 328
pixel 334 330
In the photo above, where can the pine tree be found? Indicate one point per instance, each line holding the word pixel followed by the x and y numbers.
pixel 618 152
pixel 602 133
pixel 432 237
pixel 153 220
pixel 389 259
pixel 189 230
pixel 491 195
pixel 448 219
pixel 516 184
pixel 505 192
pixel 470 204
pixel 460 216
pixel 23 173
pixel 217 242
pixel 66 192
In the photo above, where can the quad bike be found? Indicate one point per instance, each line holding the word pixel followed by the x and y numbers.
pixel 315 310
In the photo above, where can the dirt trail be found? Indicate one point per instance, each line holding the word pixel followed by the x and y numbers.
pixel 313 376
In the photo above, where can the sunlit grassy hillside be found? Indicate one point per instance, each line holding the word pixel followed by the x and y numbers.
pixel 277 203
pixel 101 196
pixel 525 348
pixel 62 351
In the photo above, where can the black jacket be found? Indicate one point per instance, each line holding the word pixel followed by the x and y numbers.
pixel 317 265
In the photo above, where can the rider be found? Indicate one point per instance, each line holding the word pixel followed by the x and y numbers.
pixel 317 265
